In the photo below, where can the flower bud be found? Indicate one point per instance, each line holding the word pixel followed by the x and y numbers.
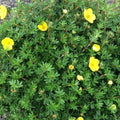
pixel 73 31
pixel 54 115
pixel 113 107
pixel 110 82
pixel 80 89
pixel 88 26
pixel 96 47
pixel 64 11
pixel 79 77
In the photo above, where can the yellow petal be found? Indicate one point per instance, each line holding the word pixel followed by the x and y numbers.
pixel 40 27
pixel 3 12
pixel 89 10
pixel 92 58
pixel 90 20
pixel 5 47
pixel 44 24
pixel 93 17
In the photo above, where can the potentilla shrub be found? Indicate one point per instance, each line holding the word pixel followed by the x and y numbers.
pixel 60 60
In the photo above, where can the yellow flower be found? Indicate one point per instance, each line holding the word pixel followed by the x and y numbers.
pixel 64 11
pixel 79 77
pixel 94 64
pixel 43 26
pixel 80 118
pixel 3 11
pixel 113 107
pixel 89 16
pixel 71 67
pixel 110 82
pixel 96 47
pixel 7 43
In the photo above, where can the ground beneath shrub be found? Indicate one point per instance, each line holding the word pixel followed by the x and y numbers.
pixel 12 3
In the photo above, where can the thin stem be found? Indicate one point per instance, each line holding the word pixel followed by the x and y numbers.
pixel 105 21
pixel 88 45
pixel 98 7
pixel 7 54
pixel 46 7
pixel 61 17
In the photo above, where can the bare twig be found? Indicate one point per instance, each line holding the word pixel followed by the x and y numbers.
pixel 61 17
pixel 88 45
pixel 7 54
pixel 46 7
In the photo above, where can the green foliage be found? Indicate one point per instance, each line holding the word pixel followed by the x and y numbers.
pixel 35 80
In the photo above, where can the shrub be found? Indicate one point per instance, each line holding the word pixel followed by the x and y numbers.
pixel 64 63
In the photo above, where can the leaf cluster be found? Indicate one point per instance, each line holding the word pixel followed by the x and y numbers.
pixel 35 80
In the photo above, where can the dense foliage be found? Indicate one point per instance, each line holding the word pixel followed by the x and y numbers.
pixel 53 71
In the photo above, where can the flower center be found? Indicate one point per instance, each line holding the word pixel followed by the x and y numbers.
pixel 88 16
pixel 8 43
pixel 43 27
pixel 92 64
